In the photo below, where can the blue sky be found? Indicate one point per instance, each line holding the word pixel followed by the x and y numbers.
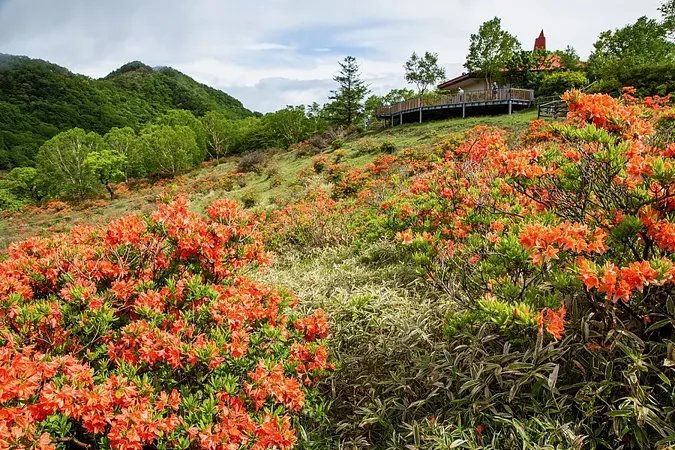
pixel 270 53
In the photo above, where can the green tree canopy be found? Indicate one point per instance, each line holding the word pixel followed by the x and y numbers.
pixel 24 182
pixel 347 106
pixel 668 11
pixel 397 95
pixel 423 71
pixel 61 163
pixel 107 166
pixel 179 117
pixel 168 150
pixel 393 96
pixel 39 99
pixel 644 42
pixel 558 82
pixel 569 58
pixel 222 134
pixel 287 126
pixel 125 142
pixel 490 49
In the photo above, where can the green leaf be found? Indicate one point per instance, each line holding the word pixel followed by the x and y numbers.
pixel 659 324
pixel 456 443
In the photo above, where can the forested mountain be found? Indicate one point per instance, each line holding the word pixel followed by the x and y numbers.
pixel 39 99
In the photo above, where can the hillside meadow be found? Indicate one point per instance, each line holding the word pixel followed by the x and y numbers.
pixel 272 181
pixel 489 283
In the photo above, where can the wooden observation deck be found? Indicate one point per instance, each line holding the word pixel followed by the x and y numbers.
pixel 470 103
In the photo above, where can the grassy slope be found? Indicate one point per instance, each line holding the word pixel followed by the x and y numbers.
pixel 203 185
pixel 377 304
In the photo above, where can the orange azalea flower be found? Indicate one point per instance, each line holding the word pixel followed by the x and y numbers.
pixel 554 321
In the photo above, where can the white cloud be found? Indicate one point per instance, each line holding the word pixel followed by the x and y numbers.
pixel 246 48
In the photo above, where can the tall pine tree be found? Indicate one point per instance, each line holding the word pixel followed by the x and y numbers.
pixel 347 107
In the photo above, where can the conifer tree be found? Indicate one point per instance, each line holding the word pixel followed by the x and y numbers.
pixel 347 105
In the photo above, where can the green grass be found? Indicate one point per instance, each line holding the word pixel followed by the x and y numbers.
pixel 412 134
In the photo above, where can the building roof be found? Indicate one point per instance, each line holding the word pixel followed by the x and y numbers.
pixel 448 84
pixel 551 62
pixel 540 42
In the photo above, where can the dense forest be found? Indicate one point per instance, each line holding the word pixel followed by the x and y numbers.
pixel 40 99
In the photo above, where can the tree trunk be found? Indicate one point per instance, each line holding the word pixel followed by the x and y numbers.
pixel 110 190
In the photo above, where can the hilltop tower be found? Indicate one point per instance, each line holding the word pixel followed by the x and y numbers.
pixel 540 42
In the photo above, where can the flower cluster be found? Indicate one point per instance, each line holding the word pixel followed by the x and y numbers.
pixel 145 333
pixel 590 199
pixel 545 242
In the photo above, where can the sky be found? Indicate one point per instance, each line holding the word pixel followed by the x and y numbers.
pixel 273 53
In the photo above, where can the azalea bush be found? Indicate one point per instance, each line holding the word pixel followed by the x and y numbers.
pixel 147 334
pixel 555 252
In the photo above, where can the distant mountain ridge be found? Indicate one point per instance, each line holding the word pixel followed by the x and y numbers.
pixel 39 99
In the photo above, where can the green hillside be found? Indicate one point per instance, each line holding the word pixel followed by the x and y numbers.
pixel 40 99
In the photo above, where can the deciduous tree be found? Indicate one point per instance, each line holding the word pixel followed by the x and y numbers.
pixel 490 49
pixel 668 11
pixel 168 150
pixel 24 182
pixel 423 72
pixel 644 42
pixel 179 117
pixel 125 142
pixel 107 166
pixel 569 58
pixel 222 134
pixel 61 163
pixel 287 126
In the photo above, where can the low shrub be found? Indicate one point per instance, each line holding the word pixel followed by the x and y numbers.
pixel 320 162
pixel 8 202
pixel 226 182
pixel 339 155
pixel 337 144
pixel 241 179
pixel 387 147
pixel 145 334
pixel 250 198
pixel 304 148
pixel 367 146
pixel 271 172
pixel 252 162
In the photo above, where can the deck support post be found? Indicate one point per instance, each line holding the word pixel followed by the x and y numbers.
pixel 510 107
pixel 463 110
pixel 400 120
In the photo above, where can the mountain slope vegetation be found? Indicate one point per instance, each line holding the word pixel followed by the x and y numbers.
pixel 473 289
pixel 40 99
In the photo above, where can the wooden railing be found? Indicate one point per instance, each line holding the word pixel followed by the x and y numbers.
pixel 457 99
pixel 555 110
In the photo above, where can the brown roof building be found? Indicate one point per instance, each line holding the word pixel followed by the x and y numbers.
pixel 475 82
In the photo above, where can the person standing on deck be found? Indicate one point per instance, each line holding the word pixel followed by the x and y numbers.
pixel 494 89
pixel 460 91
